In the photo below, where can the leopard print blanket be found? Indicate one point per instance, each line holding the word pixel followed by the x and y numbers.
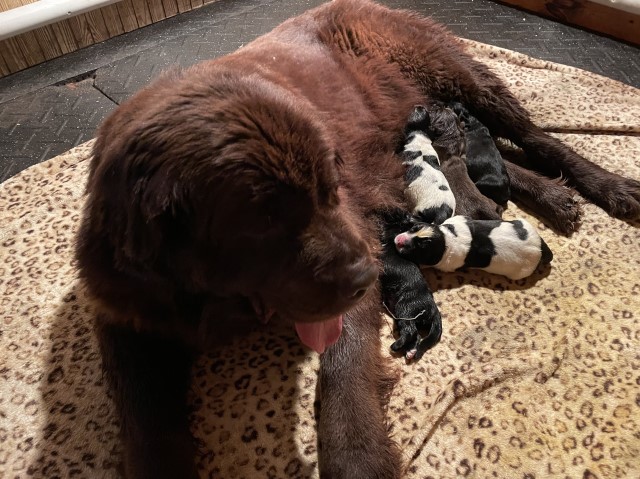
pixel 533 379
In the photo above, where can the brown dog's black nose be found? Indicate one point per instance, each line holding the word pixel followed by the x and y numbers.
pixel 361 276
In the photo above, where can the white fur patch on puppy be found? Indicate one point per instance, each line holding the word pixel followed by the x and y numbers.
pixel 457 243
pixel 427 189
pixel 516 257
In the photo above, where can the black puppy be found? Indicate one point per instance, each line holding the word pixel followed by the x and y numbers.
pixel 406 294
pixel 485 166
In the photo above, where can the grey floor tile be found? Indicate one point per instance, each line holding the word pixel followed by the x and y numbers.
pixel 39 121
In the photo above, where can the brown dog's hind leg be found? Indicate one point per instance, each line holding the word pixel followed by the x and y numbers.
pixel 354 388
pixel 550 199
pixel 469 201
pixel 503 114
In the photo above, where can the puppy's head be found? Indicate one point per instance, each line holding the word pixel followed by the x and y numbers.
pixel 469 122
pixel 446 131
pixel 423 244
pixel 228 186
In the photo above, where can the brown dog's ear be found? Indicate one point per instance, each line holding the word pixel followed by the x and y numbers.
pixel 154 204
pixel 157 195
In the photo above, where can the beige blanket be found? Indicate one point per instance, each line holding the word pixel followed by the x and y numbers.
pixel 534 378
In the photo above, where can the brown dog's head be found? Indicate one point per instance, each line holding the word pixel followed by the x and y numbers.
pixel 231 189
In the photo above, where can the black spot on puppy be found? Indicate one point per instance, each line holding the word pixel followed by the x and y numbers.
pixel 451 228
pixel 432 161
pixel 443 187
pixel 522 233
pixel 482 249
pixel 411 155
pixel 435 215
pixel 412 173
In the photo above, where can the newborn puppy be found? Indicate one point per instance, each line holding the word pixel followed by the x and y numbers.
pixel 485 166
pixel 446 130
pixel 406 294
pixel 511 248
pixel 427 191
pixel 449 142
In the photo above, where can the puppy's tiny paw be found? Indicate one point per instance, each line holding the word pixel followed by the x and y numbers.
pixel 408 336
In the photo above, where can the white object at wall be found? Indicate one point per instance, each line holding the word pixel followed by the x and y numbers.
pixel 631 6
pixel 43 12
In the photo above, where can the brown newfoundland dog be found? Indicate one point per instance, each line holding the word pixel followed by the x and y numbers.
pixel 253 184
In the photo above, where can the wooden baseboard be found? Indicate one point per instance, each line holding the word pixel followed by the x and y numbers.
pixel 589 15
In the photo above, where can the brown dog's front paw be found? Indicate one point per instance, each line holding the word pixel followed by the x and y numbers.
pixel 567 216
pixel 621 199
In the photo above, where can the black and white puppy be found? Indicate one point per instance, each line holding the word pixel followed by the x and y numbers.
pixel 427 191
pixel 511 248
pixel 485 165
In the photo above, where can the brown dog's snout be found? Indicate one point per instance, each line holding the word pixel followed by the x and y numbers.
pixel 358 278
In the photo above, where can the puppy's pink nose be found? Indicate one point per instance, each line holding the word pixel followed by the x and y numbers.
pixel 401 240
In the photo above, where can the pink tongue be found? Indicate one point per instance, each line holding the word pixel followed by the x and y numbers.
pixel 320 335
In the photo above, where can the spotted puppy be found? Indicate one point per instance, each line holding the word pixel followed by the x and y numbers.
pixel 427 191
pixel 510 248
pixel 485 165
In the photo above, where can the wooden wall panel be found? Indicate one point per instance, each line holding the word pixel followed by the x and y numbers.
pixel 112 21
pixel 9 4
pixel 170 8
pixel 4 69
pixel 583 13
pixel 143 15
pixel 156 10
pixel 97 26
pixel 184 6
pixel 46 38
pixel 30 49
pixel 127 15
pixel 13 56
pixel 71 34
pixel 80 29
pixel 65 37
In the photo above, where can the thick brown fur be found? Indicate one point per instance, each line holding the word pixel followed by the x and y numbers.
pixel 550 199
pixel 469 201
pixel 256 178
